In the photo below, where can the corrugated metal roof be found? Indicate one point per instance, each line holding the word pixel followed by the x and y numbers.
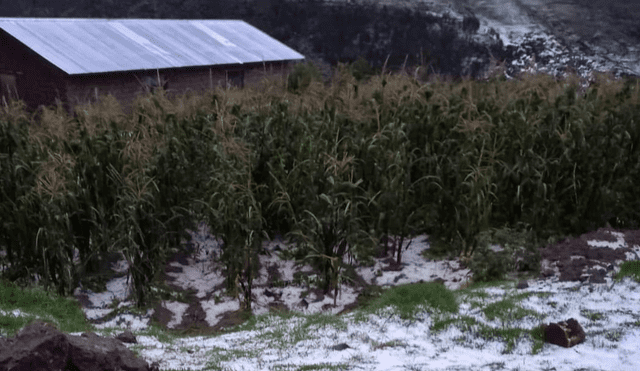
pixel 80 46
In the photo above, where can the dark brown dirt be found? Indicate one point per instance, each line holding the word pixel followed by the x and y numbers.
pixel 577 261
pixel 194 316
pixel 162 315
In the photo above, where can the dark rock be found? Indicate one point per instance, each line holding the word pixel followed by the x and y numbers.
pixel 268 293
pixel 522 285
pixel 127 337
pixel 597 276
pixel 341 346
pixel 194 316
pixel 41 347
pixel 565 334
pixel 173 269
pixel 303 304
pixel 399 277
pixel 162 315
pixel 319 296
pixel 470 24
pixel 547 273
pixel 327 307
pixel 392 267
pixel 273 294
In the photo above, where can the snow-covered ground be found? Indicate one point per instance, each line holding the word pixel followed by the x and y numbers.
pixel 609 315
pixel 470 340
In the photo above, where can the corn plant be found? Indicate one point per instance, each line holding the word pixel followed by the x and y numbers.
pixel 236 217
pixel 234 213
pixel 327 224
pixel 17 178
pixel 399 211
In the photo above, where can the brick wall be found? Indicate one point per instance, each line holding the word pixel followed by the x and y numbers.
pixel 37 81
pixel 126 86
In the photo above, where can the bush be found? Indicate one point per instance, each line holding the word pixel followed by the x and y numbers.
pixel 361 69
pixel 301 77
pixel 519 254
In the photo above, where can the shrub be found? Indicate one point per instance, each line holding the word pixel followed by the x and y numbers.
pixel 519 253
pixel 361 69
pixel 301 77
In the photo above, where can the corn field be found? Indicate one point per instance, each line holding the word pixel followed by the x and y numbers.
pixel 336 168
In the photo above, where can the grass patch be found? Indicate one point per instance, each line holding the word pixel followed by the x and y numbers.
pixel 225 355
pixel 319 366
pixel 407 298
pixel 629 268
pixel 462 322
pixel 288 331
pixel 510 335
pixel 388 344
pixel 506 309
pixel 36 303
pixel 537 335
pixel 592 316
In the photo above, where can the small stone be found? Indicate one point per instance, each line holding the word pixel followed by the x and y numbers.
pixel 127 337
pixel 339 347
pixel 522 285
pixel 399 277
pixel 327 307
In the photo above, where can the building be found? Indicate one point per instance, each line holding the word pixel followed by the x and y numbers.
pixel 73 61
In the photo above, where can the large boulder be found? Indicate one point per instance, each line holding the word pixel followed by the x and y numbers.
pixel 41 347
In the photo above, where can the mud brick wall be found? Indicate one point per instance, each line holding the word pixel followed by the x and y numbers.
pixel 126 86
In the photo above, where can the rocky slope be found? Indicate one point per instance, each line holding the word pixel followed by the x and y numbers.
pixel 548 36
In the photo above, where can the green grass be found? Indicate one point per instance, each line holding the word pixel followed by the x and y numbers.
pixel 220 355
pixel 507 309
pixel 592 316
pixel 36 303
pixel 405 299
pixel 319 366
pixel 631 269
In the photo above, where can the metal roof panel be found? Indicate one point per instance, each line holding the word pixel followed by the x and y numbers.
pixel 81 46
